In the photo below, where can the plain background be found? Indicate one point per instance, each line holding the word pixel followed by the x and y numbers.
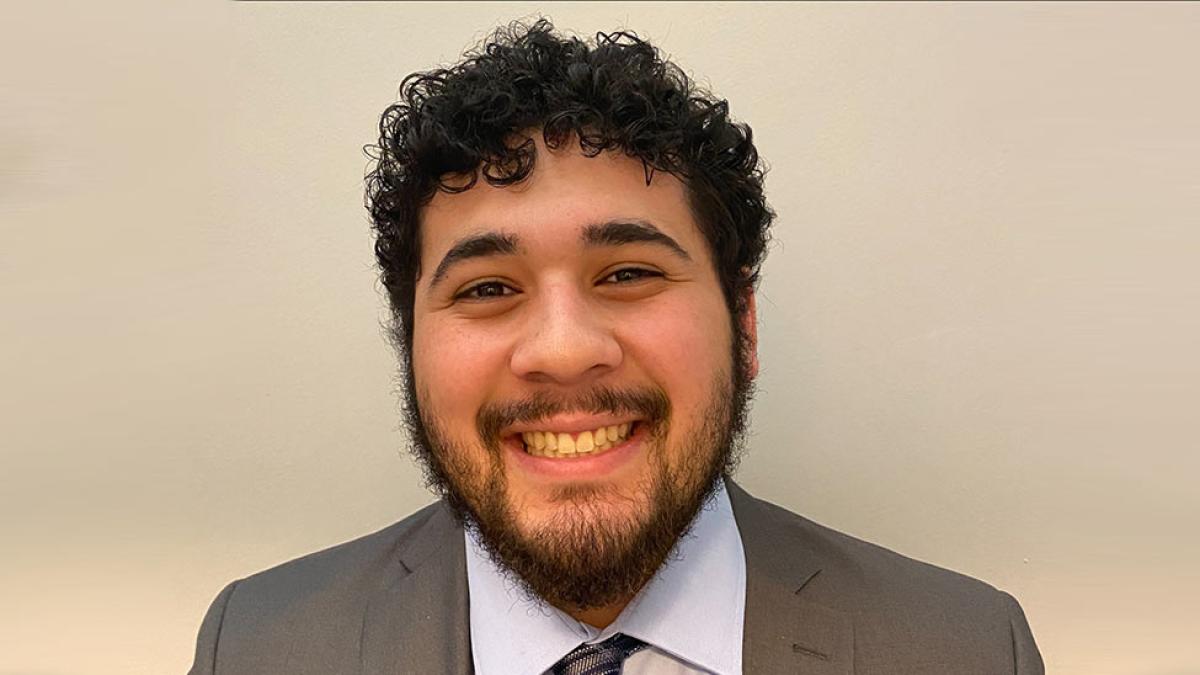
pixel 979 321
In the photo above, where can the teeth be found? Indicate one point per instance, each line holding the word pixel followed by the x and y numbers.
pixel 566 444
pixel 551 444
pixel 585 443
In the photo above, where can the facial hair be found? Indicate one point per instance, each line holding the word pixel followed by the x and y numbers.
pixel 583 556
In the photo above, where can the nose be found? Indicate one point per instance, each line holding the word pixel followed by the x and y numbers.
pixel 567 340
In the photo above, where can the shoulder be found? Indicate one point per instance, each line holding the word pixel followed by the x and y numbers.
pixel 311 609
pixel 902 610
pixel 356 562
pixel 858 571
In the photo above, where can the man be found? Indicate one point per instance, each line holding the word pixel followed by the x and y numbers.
pixel 570 235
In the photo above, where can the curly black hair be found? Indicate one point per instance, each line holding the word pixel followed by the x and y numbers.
pixel 453 125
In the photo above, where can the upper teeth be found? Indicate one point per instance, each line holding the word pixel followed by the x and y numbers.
pixel 558 444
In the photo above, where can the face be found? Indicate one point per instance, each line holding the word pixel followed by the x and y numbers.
pixel 573 386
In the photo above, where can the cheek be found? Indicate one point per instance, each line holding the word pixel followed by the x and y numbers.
pixel 455 370
pixel 680 347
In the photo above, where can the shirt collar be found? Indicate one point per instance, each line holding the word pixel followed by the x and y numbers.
pixel 705 576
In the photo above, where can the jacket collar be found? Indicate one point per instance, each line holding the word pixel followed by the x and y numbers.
pixel 417 622
pixel 784 632
pixel 419 619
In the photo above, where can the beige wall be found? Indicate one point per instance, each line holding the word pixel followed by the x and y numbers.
pixel 979 321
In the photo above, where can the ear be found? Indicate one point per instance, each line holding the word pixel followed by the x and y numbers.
pixel 749 319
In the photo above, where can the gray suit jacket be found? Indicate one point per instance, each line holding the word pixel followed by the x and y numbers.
pixel 817 602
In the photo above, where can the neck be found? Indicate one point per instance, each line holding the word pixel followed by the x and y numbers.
pixel 598 617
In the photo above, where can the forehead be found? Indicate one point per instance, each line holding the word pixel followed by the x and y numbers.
pixel 566 192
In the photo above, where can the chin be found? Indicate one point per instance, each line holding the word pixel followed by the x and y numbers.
pixel 573 508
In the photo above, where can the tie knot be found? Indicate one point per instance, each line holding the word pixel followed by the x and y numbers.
pixel 602 658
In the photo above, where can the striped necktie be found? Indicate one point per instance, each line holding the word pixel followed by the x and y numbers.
pixel 602 658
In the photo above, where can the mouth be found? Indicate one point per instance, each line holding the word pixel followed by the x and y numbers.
pixel 566 445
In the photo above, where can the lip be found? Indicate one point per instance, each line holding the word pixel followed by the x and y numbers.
pixel 568 424
pixel 586 467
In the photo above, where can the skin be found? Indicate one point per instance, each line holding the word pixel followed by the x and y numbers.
pixel 559 318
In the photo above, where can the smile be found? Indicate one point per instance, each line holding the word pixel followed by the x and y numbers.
pixel 562 444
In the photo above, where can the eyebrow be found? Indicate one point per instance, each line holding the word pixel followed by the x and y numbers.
pixel 474 246
pixel 618 232
pixel 611 233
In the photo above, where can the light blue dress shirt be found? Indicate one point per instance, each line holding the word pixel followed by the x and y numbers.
pixel 690 613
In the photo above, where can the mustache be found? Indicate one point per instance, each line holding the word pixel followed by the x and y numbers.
pixel 648 403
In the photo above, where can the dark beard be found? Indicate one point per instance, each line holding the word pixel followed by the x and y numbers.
pixel 580 560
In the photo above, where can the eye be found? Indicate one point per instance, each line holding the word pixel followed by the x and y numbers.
pixel 627 275
pixel 485 290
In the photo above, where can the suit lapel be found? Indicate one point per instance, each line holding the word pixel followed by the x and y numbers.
pixel 418 622
pixel 783 632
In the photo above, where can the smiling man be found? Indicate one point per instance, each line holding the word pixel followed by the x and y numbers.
pixel 570 235
pixel 555 408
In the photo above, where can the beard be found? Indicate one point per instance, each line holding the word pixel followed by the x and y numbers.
pixel 598 547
